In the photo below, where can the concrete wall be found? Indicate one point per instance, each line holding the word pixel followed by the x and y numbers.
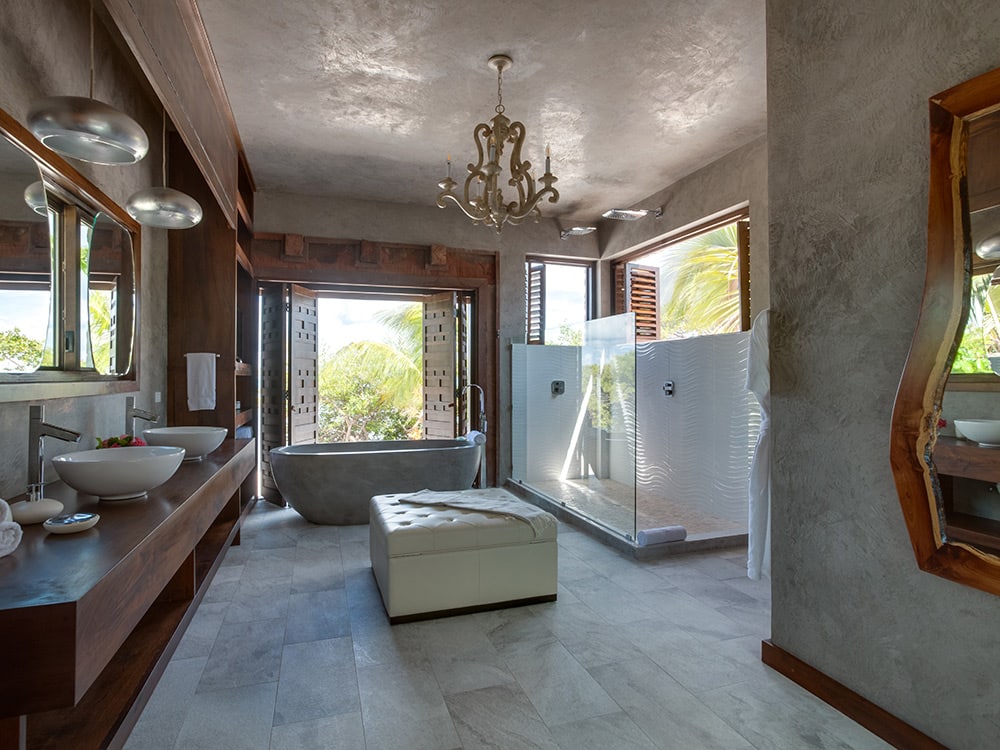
pixel 45 53
pixel 848 83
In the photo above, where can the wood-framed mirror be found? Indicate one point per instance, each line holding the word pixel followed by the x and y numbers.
pixel 948 485
pixel 73 254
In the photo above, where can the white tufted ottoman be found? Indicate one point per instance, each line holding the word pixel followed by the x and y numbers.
pixel 431 560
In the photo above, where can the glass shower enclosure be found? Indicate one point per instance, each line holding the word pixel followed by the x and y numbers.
pixel 637 437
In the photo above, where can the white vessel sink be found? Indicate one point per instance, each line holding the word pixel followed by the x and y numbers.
pixel 118 473
pixel 197 442
pixel 983 431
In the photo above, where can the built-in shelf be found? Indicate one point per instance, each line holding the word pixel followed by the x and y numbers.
pixel 244 417
pixel 960 458
pixel 953 457
pixel 91 648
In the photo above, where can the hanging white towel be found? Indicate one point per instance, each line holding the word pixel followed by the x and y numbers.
pixel 200 380
pixel 759 383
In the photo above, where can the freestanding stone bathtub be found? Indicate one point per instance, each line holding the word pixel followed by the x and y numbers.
pixel 332 483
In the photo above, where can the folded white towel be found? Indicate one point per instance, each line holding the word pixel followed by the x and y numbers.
pixel 476 437
pixel 489 500
pixel 200 381
pixel 10 537
pixel 4 511
pixel 661 535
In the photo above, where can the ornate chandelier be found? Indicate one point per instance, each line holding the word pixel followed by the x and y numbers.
pixel 482 199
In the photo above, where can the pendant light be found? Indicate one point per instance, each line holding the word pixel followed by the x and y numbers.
pixel 86 129
pixel 164 207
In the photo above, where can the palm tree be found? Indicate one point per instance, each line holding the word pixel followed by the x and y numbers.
pixel 705 298
pixel 376 386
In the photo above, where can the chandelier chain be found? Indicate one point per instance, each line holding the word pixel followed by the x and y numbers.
pixel 499 108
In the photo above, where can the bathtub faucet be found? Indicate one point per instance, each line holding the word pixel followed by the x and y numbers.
pixel 482 404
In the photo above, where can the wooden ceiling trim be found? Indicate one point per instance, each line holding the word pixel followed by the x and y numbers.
pixel 171 47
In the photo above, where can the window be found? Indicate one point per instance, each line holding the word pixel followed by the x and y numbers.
pixel 693 284
pixel 980 346
pixel 558 300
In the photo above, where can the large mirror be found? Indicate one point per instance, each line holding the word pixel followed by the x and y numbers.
pixel 69 260
pixel 25 263
pixel 948 480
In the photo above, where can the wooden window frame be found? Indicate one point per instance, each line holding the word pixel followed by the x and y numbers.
pixel 589 290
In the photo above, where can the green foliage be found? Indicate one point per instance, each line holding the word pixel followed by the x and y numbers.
pixel 705 298
pixel 613 383
pixel 371 390
pixel 19 352
pixel 970 358
pixel 569 335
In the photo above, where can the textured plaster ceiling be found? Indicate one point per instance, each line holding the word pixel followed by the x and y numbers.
pixel 366 98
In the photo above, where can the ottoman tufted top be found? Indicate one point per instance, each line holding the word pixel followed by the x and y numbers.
pixel 416 529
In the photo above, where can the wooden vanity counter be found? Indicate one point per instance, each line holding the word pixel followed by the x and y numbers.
pixel 953 457
pixel 89 620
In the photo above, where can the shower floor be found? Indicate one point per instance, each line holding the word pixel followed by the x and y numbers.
pixel 611 503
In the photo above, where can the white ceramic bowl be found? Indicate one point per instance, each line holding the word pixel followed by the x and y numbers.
pixel 982 431
pixel 118 473
pixel 197 442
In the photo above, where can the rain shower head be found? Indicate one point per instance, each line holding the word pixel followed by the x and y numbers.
pixel 631 214
pixel 576 231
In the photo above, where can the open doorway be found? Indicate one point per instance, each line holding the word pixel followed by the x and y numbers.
pixel 347 366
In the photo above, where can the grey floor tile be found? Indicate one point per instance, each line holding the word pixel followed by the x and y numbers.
pixel 245 653
pixel 199 638
pixel 774 714
pixel 318 679
pixel 259 599
pixel 164 715
pixel 607 732
pixel 404 709
pixel 317 615
pixel 341 732
pixel 247 724
pixel 500 718
pixel 667 712
pixel 559 688
pixel 317 569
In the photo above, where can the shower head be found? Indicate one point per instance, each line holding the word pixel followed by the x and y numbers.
pixel 576 231
pixel 631 214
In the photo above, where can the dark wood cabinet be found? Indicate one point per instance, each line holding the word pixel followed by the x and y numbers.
pixel 89 620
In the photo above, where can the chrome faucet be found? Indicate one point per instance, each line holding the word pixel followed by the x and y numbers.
pixel 132 413
pixel 38 428
pixel 482 404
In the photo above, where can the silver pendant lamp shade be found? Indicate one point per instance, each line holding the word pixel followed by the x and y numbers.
pixel 86 129
pixel 164 207
pixel 34 196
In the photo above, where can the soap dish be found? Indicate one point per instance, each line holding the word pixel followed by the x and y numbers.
pixel 71 523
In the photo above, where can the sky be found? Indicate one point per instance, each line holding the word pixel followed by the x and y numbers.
pixel 343 321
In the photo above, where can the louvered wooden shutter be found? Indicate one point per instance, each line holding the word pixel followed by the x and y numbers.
pixel 534 302
pixel 641 291
pixel 439 366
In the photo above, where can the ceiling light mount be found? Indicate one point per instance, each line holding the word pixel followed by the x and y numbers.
pixel 632 214
pixel 482 199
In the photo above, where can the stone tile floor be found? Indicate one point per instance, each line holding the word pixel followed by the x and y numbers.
pixel 291 650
